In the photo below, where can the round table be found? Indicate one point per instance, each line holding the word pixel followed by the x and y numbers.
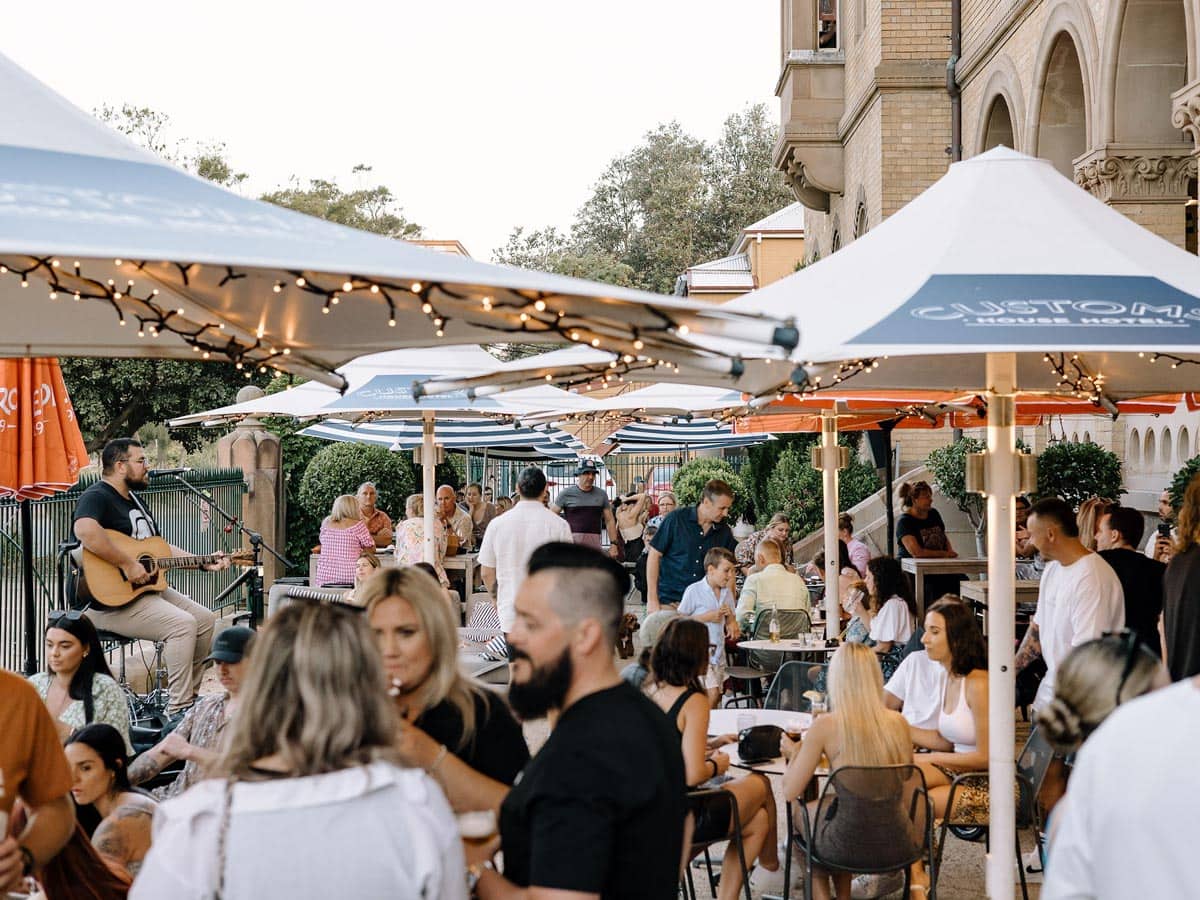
pixel 724 721
pixel 786 646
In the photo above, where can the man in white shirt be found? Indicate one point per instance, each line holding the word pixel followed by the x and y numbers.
pixel 1079 598
pixel 1138 839
pixel 915 690
pixel 771 587
pixel 510 540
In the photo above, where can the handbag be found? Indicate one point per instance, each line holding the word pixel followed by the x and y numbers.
pixel 759 743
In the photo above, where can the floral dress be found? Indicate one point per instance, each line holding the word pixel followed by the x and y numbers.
pixel 410 545
pixel 109 705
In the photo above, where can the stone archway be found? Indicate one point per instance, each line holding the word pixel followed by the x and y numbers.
pixel 1151 64
pixel 1062 134
pixel 998 127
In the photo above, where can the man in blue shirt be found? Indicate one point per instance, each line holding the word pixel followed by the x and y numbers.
pixel 676 555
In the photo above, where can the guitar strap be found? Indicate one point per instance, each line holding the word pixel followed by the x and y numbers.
pixel 137 501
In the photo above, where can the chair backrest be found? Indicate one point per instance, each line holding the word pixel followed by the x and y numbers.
pixel 791 682
pixel 1032 764
pixel 872 818
pixel 792 622
pixel 715 817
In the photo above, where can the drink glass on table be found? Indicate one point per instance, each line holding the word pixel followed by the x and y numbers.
pixel 794 729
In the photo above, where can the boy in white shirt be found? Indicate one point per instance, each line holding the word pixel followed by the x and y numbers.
pixel 711 601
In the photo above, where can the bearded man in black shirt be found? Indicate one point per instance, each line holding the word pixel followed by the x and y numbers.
pixel 599 812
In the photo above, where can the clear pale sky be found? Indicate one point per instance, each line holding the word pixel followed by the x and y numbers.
pixel 479 114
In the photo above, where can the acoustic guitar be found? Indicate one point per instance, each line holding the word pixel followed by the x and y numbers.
pixel 102 583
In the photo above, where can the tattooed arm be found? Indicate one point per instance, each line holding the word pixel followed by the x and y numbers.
pixel 124 837
pixel 1030 649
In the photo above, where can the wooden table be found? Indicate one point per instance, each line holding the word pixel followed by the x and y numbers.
pixel 919 568
pixel 976 594
pixel 464 562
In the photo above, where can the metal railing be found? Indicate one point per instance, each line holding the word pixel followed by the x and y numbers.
pixel 183 518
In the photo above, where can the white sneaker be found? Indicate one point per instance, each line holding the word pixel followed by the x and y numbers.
pixel 1032 861
pixel 869 887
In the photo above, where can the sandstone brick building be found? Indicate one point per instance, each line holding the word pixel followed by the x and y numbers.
pixel 879 96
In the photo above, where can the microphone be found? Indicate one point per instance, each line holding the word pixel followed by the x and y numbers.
pixel 159 473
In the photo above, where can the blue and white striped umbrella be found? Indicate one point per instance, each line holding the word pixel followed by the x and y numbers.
pixel 678 435
pixel 501 441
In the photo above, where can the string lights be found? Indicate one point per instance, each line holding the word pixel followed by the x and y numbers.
pixel 1174 361
pixel 1079 381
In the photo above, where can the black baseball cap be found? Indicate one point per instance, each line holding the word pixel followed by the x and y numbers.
pixel 231 644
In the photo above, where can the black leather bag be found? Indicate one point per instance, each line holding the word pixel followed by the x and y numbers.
pixel 759 743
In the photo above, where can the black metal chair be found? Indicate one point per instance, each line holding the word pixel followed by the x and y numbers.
pixel 868 820
pixel 794 679
pixel 716 818
pixel 1032 765
pixel 761 664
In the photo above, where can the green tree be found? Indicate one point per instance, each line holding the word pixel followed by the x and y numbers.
pixel 948 466
pixel 689 481
pixel 1181 480
pixel 796 488
pixel 1075 472
pixel 761 460
pixel 546 250
pixel 371 209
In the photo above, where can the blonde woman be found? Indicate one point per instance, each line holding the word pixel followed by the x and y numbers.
pixel 1091 511
pixel 860 731
pixel 366 566
pixel 410 538
pixel 457 730
pixel 310 761
pixel 344 535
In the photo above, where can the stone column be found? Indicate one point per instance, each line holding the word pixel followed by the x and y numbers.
pixel 1147 184
pixel 256 452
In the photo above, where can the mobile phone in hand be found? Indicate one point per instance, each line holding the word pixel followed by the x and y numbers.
pixel 1164 530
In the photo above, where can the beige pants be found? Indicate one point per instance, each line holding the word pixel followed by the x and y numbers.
pixel 185 626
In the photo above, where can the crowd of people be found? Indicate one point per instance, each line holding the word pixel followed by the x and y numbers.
pixel 347 731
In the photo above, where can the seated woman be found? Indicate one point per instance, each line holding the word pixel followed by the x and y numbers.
pixel 856 605
pixel 344 535
pixel 859 731
pixel 678 664
pixel 464 735
pixel 366 566
pixel 892 612
pixel 410 538
pixel 1091 682
pixel 77 686
pixel 310 762
pixel 115 814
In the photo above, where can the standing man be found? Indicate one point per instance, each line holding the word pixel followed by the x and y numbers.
pixel 1117 537
pixel 1079 597
pixel 34 769
pixel 1160 546
pixel 510 540
pixel 676 556
pixel 587 510
pixel 197 740
pixel 1181 592
pixel 378 522
pixel 454 520
pixel 185 626
pixel 581 821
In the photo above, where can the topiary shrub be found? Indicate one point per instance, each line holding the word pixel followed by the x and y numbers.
pixel 948 467
pixel 339 468
pixel 796 488
pixel 1075 472
pixel 689 481
pixel 1181 480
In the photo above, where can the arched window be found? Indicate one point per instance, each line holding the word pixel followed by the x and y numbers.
pixel 1087 437
pixel 1148 451
pixel 1167 447
pixel 1133 450
pixel 835 244
pixel 1185 445
pixel 860 221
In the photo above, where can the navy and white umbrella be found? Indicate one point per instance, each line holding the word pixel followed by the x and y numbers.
pixel 502 441
pixel 680 436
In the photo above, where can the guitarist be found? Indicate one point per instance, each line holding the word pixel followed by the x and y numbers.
pixel 185 626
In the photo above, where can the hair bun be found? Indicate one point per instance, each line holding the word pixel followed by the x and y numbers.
pixel 1061 725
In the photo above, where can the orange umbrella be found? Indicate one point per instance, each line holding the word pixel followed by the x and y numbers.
pixel 41 453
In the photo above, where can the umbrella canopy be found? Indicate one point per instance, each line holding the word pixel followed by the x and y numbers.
pixel 168 265
pixel 41 453
pixel 510 442
pixel 681 436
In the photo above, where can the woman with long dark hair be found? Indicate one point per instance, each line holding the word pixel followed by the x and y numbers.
pixel 77 686
pixel 892 613
pixel 115 814
pixel 678 665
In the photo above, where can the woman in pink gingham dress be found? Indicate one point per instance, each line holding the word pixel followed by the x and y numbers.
pixel 344 536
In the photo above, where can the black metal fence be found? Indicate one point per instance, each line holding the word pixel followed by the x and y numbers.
pixel 184 519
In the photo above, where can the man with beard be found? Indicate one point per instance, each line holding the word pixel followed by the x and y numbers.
pixel 582 820
pixel 185 626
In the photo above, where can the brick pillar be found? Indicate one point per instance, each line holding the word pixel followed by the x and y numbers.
pixel 1147 184
pixel 256 452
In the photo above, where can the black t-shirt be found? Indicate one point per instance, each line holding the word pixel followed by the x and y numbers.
pixel 1142 581
pixel 103 503
pixel 600 809
pixel 497 749
pixel 930 533
pixel 1181 613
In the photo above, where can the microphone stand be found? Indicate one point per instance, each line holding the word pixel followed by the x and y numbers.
pixel 252 577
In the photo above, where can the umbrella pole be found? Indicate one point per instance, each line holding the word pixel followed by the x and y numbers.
pixel 428 487
pixel 31 636
pixel 829 486
pixel 1001 517
pixel 889 484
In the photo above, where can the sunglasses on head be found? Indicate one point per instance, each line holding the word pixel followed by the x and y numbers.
pixel 71 615
pixel 1130 644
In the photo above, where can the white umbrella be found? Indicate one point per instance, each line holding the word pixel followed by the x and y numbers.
pixel 168 265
